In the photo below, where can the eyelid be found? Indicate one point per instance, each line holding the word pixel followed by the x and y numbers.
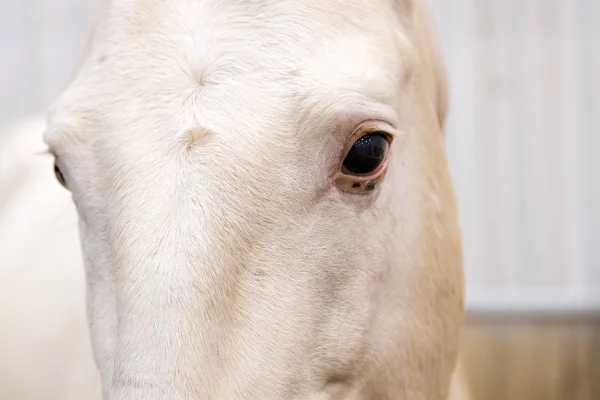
pixel 374 125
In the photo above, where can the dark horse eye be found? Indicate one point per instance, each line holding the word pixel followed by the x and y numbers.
pixel 367 154
pixel 59 176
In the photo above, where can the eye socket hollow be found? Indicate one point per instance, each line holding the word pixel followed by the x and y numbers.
pixel 59 176
pixel 367 154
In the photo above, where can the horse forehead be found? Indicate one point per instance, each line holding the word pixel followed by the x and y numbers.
pixel 199 55
pixel 267 33
pixel 320 16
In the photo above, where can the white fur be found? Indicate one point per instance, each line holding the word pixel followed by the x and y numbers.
pixel 200 141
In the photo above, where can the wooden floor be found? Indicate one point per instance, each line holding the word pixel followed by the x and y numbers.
pixel 543 360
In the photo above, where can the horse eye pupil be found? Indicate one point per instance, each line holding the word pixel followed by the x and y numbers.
pixel 367 153
pixel 59 175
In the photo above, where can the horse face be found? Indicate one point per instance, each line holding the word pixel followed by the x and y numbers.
pixel 264 205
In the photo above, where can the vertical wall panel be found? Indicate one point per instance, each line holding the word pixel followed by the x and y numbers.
pixel 524 149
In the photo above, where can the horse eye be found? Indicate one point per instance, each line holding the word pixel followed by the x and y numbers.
pixel 59 176
pixel 367 154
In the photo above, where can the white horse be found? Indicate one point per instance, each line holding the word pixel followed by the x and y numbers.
pixel 264 204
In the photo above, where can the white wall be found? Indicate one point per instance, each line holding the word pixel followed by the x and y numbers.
pixel 524 148
pixel 40 42
pixel 523 134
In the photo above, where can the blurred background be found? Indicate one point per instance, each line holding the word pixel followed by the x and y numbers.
pixel 523 141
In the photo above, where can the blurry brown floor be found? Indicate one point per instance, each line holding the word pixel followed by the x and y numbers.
pixel 532 360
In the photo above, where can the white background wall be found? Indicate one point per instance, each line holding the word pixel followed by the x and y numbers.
pixel 40 41
pixel 523 135
pixel 524 148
